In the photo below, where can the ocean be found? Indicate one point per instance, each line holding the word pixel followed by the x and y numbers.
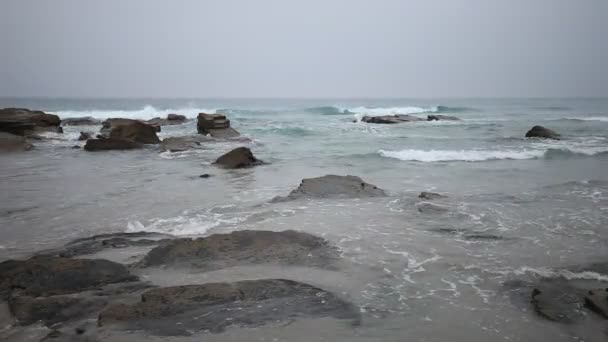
pixel 516 209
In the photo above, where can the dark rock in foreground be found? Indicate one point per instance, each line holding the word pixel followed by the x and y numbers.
pixel 21 121
pixel 47 276
pixel 13 143
pixel 438 117
pixel 110 144
pixel 80 121
pixel 542 132
pixel 216 125
pixel 246 247
pixel 180 144
pixel 135 131
pixel 239 158
pixel 332 186
pixel 391 119
pixel 215 306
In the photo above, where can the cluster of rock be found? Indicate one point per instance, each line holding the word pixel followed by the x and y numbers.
pixel 17 124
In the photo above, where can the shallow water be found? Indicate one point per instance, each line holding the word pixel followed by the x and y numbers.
pixel 516 208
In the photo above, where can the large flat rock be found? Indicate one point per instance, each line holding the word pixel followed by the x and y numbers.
pixel 333 186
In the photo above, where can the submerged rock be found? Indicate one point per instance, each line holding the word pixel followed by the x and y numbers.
pixel 430 195
pixel 20 121
pixel 86 136
pixel 110 144
pixel 135 131
pixel 215 306
pixel 246 247
pixel 333 186
pixel 239 158
pixel 47 276
pixel 426 207
pixel 542 132
pixel 438 117
pixel 216 125
pixel 81 121
pixel 180 144
pixel 390 119
pixel 13 143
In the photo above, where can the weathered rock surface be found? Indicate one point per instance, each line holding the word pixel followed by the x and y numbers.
pixel 86 136
pixel 215 306
pixel 216 125
pixel 543 133
pixel 438 117
pixel 21 121
pixel 429 196
pixel 135 131
pixel 179 144
pixel 47 276
pixel 246 247
pixel 81 121
pixel 13 143
pixel 332 186
pixel 391 119
pixel 239 158
pixel 110 144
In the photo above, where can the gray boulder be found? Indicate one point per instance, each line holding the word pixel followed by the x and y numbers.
pixel 333 186
pixel 239 158
pixel 135 131
pixel 543 133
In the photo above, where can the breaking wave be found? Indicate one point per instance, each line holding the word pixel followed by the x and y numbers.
pixel 145 113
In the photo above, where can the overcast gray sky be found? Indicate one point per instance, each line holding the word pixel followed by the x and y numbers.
pixel 309 48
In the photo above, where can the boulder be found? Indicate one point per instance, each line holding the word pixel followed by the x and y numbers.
pixel 597 301
pixel 332 186
pixel 239 158
pixel 109 124
pixel 85 136
pixel 176 117
pixel 179 144
pixel 216 125
pixel 110 144
pixel 21 121
pixel 183 310
pixel 166 122
pixel 244 247
pixel 80 121
pixel 13 143
pixel 135 131
pixel 47 276
pixel 438 117
pixel 390 119
pixel 542 132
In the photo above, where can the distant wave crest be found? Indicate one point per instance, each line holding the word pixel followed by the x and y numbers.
pixel 144 113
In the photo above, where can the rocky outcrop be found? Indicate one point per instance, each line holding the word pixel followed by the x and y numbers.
pixel 179 144
pixel 13 143
pixel 81 121
pixel 112 123
pixel 47 276
pixel 215 306
pixel 86 136
pixel 543 133
pixel 21 121
pixel 172 119
pixel 438 117
pixel 110 144
pixel 332 186
pixel 176 117
pixel 244 247
pixel 216 125
pixel 239 158
pixel 135 131
pixel 391 119
pixel 429 196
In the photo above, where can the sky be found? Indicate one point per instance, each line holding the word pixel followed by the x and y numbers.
pixel 299 49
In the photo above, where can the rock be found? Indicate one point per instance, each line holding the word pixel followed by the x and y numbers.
pixel 76 147
pixel 85 136
pixel 215 306
pixel 112 123
pixel 438 117
pixel 239 158
pixel 597 301
pixel 21 121
pixel 205 175
pixel 55 309
pixel 135 131
pixel 180 144
pixel 332 186
pixel 176 117
pixel 216 125
pixel 13 143
pixel 542 132
pixel 558 303
pixel 244 247
pixel 390 119
pixel 430 195
pixel 110 144
pixel 81 121
pixel 47 276
pixel 431 208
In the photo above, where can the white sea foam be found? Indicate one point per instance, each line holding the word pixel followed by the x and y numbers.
pixel 591 118
pixel 360 112
pixel 146 112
